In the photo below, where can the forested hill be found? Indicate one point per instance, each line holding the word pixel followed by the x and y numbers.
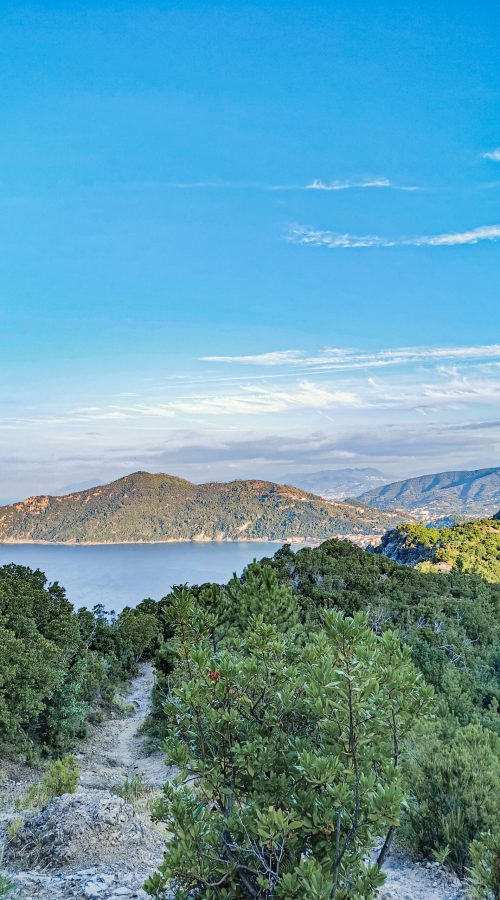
pixel 470 547
pixel 470 494
pixel 157 507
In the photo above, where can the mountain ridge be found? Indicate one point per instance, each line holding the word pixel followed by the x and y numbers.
pixel 472 493
pixel 148 507
pixel 338 484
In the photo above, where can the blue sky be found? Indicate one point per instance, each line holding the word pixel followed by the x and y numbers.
pixel 247 240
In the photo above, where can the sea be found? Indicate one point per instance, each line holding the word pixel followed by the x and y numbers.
pixel 119 575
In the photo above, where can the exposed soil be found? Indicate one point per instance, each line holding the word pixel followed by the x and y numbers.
pixel 93 843
pixel 112 857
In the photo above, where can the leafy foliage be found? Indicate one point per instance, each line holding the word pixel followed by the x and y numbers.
pixel 450 625
pixel 454 780
pixel 470 547
pixel 484 873
pixel 6 885
pixel 56 663
pixel 289 747
pixel 61 778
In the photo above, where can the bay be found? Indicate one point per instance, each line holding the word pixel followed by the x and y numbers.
pixel 119 575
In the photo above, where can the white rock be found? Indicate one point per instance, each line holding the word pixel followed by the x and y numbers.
pixel 92 889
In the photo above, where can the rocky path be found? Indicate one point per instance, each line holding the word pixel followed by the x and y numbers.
pixel 93 844
pixel 407 880
pixel 116 750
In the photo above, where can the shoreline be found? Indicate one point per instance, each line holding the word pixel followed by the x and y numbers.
pixel 354 538
pixel 167 541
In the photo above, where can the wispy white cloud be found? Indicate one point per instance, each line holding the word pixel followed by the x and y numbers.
pixel 493 154
pixel 332 358
pixel 306 236
pixel 273 358
pixel 344 185
pixel 252 399
pixel 318 185
pixel 452 389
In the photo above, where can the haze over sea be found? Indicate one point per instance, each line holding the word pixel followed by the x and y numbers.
pixel 119 575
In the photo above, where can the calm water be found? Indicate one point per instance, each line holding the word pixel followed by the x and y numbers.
pixel 124 574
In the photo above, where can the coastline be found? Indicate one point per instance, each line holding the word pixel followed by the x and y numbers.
pixel 359 539
pixel 262 540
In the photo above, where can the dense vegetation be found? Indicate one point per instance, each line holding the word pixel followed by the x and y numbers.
pixel 288 743
pixel 468 494
pixel 146 507
pixel 471 547
pixel 296 701
pixel 289 705
pixel 58 665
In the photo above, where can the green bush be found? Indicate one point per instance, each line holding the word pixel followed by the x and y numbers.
pixel 133 789
pixel 6 885
pixel 61 778
pixel 484 872
pixel 56 664
pixel 289 747
pixel 451 625
pixel 454 777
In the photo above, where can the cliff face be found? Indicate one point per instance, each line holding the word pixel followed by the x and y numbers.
pixel 157 507
pixel 470 547
pixel 395 545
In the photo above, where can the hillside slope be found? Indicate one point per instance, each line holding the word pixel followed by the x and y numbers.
pixel 157 507
pixel 470 547
pixel 474 493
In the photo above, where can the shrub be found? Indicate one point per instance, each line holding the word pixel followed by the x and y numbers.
pixel 14 827
pixel 61 778
pixel 56 664
pixel 133 789
pixel 484 872
pixel 289 753
pixel 6 885
pixel 454 778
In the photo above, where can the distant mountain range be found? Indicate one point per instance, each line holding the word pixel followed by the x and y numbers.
pixel 157 507
pixel 469 494
pixel 338 484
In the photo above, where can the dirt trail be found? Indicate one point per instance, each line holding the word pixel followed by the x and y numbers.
pixel 408 880
pixel 114 752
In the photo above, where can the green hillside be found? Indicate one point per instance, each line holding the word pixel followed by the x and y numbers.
pixel 157 507
pixel 470 547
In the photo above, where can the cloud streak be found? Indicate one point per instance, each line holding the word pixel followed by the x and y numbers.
pixel 332 358
pixel 306 236
pixel 493 154
pixel 345 185
pixel 251 399
pixel 318 185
